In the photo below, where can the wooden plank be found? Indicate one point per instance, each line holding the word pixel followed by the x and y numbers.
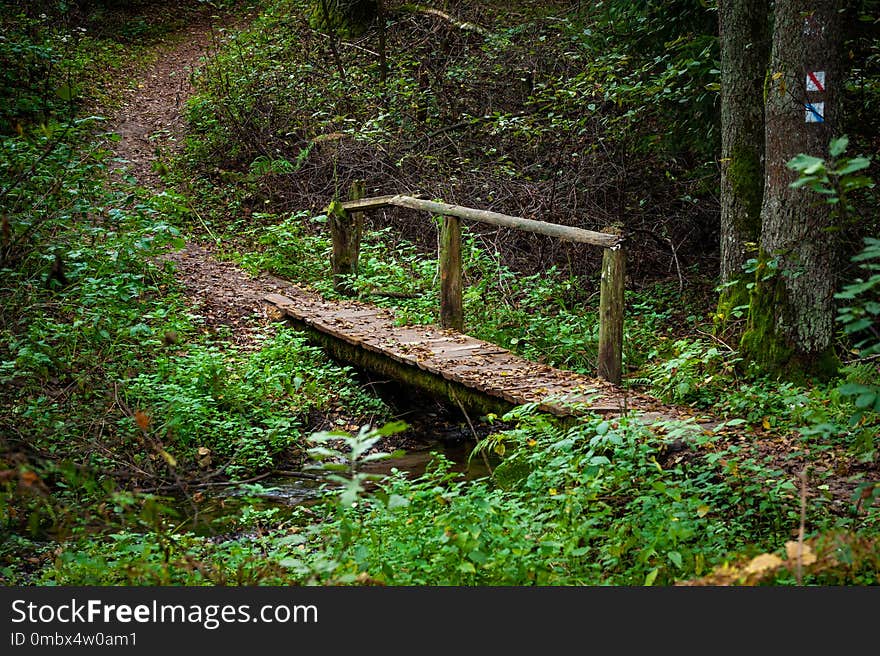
pixel 463 361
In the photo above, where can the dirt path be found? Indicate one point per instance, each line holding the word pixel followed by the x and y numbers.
pixel 151 124
pixel 151 119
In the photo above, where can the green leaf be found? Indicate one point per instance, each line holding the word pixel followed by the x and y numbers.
pixel 391 428
pixel 866 400
pixel 293 539
pixel 651 577
pixel 838 146
pixel 674 558
pixel 397 501
pixel 852 165
pixel 66 92
pixel 851 389
pixel 806 163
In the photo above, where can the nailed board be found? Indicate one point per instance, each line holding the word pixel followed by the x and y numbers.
pixel 458 358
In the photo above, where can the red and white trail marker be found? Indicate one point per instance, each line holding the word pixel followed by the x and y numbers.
pixel 816 81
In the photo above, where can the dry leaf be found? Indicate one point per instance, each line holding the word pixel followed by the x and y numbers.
pixel 29 478
pixel 807 557
pixel 763 563
pixel 142 419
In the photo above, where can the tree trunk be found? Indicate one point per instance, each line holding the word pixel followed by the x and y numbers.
pixel 745 49
pixel 791 314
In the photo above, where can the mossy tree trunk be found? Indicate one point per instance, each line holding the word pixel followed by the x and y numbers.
pixel 744 27
pixel 791 314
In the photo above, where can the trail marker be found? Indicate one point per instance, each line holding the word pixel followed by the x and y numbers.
pixel 815 80
pixel 815 112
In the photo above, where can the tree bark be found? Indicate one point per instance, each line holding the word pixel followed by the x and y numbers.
pixel 744 28
pixel 791 314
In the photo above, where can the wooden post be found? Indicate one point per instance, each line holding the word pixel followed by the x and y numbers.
pixel 451 309
pixel 346 229
pixel 611 314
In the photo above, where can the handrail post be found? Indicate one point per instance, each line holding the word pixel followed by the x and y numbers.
pixel 346 229
pixel 451 308
pixel 611 310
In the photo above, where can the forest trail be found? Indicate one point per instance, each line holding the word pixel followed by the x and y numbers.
pixel 229 299
pixel 151 121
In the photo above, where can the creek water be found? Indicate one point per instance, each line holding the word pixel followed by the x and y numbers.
pixel 433 429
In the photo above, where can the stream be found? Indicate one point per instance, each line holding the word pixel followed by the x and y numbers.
pixel 434 428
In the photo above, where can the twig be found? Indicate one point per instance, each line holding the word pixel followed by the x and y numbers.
pixel 462 25
pixel 716 338
pixel 473 432
pixel 349 44
pixel 204 225
pixel 677 266
pixel 800 552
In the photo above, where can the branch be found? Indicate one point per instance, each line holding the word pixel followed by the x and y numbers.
pixel 462 25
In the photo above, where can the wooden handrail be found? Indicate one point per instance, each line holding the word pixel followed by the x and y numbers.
pixel 346 227
pixel 568 233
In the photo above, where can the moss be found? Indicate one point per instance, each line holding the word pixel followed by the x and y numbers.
pixel 731 297
pixel 349 18
pixel 764 345
pixel 746 177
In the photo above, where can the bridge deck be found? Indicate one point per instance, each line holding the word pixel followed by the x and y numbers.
pixel 452 358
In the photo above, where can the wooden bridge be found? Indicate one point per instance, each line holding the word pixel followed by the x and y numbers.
pixel 442 359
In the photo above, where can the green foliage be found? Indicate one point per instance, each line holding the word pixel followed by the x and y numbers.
pixel 594 506
pixel 838 180
pixel 860 316
pixel 353 453
pixel 112 382
pixel 859 319
pixel 347 17
pixel 692 372
pixel 658 62
pixel 247 410
pixel 833 178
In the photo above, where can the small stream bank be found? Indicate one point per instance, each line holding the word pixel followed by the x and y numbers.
pixel 433 428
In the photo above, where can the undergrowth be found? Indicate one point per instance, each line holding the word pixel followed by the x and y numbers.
pixel 123 409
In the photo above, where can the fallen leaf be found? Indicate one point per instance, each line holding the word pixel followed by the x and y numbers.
pixel 807 557
pixel 763 563
pixel 29 478
pixel 172 462
pixel 141 419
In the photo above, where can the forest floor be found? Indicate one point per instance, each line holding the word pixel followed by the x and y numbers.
pixel 152 126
